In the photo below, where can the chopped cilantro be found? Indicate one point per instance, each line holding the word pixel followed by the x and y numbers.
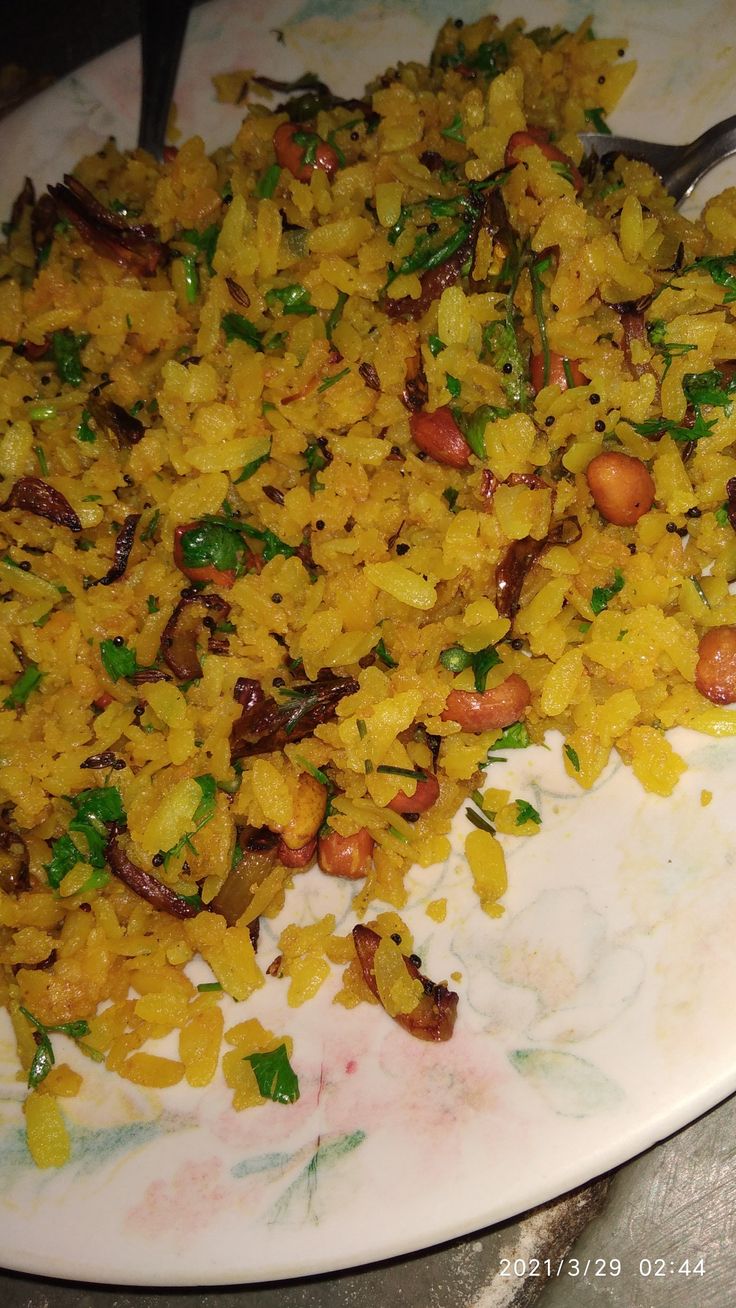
pixel 335 314
pixel 573 756
pixel 149 530
pixel 294 298
pixel 526 812
pixel 204 813
pixel 191 277
pixel 436 346
pixel 316 461
pixel 152 604
pixel 597 121
pixel 93 808
pixel 453 386
pixel 267 182
pixel 454 132
pixel 709 388
pixel 44 1060
pixel 252 467
pixel 473 425
pixel 205 242
pixel 330 381
pixel 457 659
pixel 424 257
pixel 118 660
pixel 27 682
pixel 602 594
pixel 657 333
pixel 65 348
pixel 538 267
pixel 450 494
pixel 717 268
pixel 274 1074
pixel 514 737
pixel 211 544
pixel 384 655
pixel 40 454
pixel 236 327
pixel 721 516
pixel 84 431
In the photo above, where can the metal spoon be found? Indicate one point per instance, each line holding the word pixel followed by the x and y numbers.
pixel 679 166
pixel 163 24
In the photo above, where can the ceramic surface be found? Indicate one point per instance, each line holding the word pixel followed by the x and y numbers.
pixel 596 1013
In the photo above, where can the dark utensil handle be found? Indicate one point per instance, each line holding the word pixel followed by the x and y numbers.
pixel 163 24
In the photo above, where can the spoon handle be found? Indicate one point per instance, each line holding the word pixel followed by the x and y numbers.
pixel 163 24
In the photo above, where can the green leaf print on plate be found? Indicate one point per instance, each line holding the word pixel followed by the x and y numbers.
pixel 570 1085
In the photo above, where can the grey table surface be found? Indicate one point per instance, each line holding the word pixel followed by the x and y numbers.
pixel 658 1233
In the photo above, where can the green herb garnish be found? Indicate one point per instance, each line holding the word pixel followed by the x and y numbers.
pixel 267 183
pixel 252 467
pixel 601 595
pixel 573 756
pixel 191 277
pixel 330 381
pixel 657 333
pixel 44 1057
pixel 93 808
pixel 204 813
pixel 65 348
pixel 274 1074
pixel 84 431
pixel 205 242
pixel 294 299
pixel 27 682
pixel 40 454
pixel 384 655
pixel 118 660
pixel 526 813
pixel 457 659
pixel 597 121
pixel 335 314
pixel 236 327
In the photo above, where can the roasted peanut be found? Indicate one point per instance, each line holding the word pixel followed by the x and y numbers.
pixel 537 136
pixel 290 154
pixel 423 798
pixel 345 856
pixel 439 436
pixel 557 373
pixel 715 674
pixel 309 812
pixel 487 709
pixel 621 486
pixel 296 857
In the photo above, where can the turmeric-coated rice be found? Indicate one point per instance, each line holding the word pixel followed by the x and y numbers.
pixel 390 434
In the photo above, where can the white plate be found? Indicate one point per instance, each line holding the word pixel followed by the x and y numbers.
pixel 596 1014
